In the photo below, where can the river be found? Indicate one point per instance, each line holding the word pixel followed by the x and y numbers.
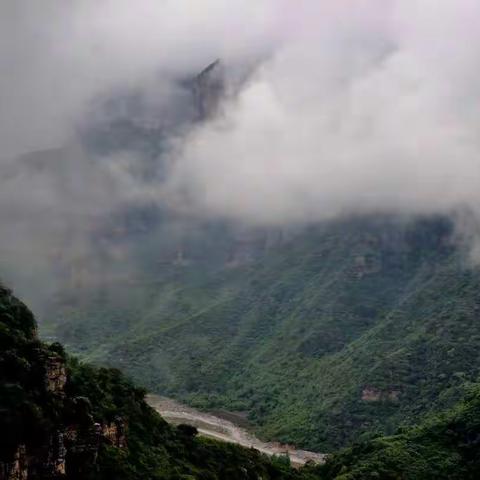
pixel 229 428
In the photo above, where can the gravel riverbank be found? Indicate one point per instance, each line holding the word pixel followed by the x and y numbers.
pixel 214 426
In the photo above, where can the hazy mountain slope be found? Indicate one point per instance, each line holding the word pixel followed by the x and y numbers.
pixel 347 329
pixel 63 419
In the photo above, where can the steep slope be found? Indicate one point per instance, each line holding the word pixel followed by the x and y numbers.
pixel 443 447
pixel 348 329
pixel 60 419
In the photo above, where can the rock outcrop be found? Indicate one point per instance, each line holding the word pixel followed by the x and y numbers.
pixel 45 432
pixel 17 469
pixel 372 394
pixel 208 89
pixel 56 375
pixel 115 433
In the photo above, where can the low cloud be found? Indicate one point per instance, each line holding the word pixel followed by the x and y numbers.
pixel 365 107
pixel 334 108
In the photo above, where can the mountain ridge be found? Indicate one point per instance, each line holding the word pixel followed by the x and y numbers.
pixel 63 419
pixel 338 334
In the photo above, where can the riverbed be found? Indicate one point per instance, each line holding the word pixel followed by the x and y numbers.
pixel 231 430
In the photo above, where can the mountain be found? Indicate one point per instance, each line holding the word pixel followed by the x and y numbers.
pixel 444 447
pixel 91 204
pixel 62 419
pixel 324 334
pixel 340 332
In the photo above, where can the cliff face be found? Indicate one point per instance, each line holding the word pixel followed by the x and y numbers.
pixel 46 433
pixel 208 89
pixel 55 375
pixel 61 419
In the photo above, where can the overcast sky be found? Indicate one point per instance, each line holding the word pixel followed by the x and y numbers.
pixel 351 106
pixel 362 106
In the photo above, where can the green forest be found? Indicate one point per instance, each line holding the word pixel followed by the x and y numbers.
pixel 63 418
pixel 349 330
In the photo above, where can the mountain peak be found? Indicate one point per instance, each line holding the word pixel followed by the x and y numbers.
pixel 208 89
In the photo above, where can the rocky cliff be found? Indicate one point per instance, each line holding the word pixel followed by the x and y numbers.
pixel 61 419
pixel 47 433
pixel 208 89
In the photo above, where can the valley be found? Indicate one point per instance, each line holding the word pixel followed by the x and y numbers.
pixel 343 331
pixel 240 240
pixel 86 422
pixel 210 425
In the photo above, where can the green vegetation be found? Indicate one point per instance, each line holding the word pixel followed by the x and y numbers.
pixel 156 450
pixel 345 331
pixel 446 447
pixel 54 408
pixel 45 396
pixel 24 416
